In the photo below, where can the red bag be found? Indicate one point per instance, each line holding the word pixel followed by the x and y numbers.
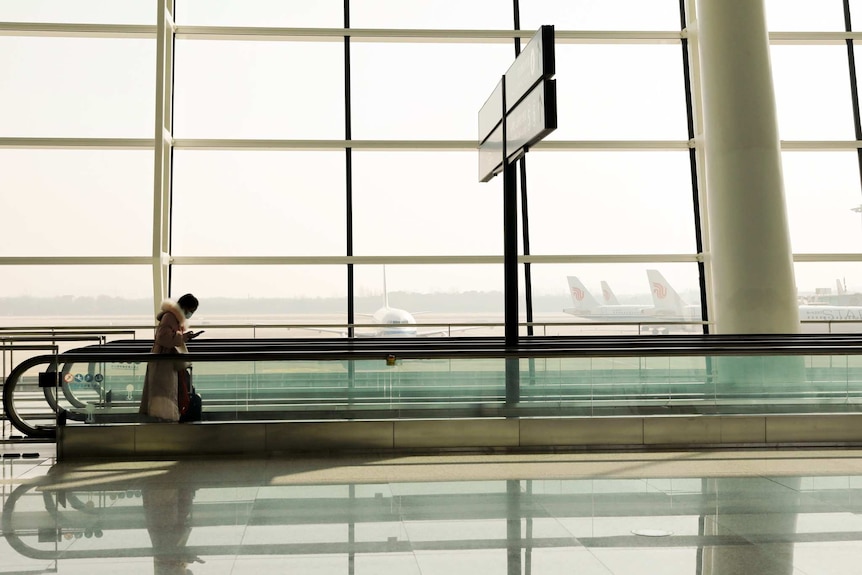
pixel 184 388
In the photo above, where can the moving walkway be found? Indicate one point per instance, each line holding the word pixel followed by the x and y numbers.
pixel 475 381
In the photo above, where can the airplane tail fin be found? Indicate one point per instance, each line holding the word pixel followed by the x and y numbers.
pixel 841 289
pixel 385 291
pixel 608 296
pixel 664 297
pixel 582 299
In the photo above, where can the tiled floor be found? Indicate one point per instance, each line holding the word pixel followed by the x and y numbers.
pixel 749 512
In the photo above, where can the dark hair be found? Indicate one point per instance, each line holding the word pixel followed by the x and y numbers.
pixel 188 302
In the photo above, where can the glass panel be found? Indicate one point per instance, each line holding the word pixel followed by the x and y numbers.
pixel 281 14
pixel 435 92
pixel 259 203
pixel 439 295
pixel 812 92
pixel 63 292
pixel 477 14
pixel 830 296
pixel 616 299
pixel 264 294
pixel 607 92
pixel 610 203
pixel 229 89
pixel 822 196
pixel 856 13
pixel 424 203
pixel 805 16
pixel 561 384
pixel 77 87
pixel 76 202
pixel 79 11
pixel 601 14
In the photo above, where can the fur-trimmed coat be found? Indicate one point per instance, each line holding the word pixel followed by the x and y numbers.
pixel 159 398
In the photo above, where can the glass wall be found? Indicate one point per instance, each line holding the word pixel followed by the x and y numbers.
pixel 310 148
pixel 815 89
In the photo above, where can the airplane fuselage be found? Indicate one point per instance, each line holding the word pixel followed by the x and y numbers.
pixel 622 313
pixel 830 312
pixel 394 322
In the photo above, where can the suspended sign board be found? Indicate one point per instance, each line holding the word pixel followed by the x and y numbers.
pixel 525 100
pixel 529 122
pixel 535 62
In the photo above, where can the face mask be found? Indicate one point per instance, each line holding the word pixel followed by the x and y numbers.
pixel 188 313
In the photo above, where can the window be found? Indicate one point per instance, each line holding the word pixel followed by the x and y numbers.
pixel 601 14
pixel 423 91
pixel 268 90
pixel 822 190
pixel 476 14
pixel 281 14
pixel 77 87
pixel 288 203
pixel 424 203
pixel 610 203
pixel 76 202
pixel 812 92
pixel 620 92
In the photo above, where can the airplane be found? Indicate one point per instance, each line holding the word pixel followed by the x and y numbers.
pixel 394 322
pixel 826 312
pixel 585 306
pixel 669 305
pixel 608 295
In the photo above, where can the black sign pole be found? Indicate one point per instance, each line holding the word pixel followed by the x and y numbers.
pixel 510 266
pixel 532 99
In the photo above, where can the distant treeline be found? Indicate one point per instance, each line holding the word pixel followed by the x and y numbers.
pixel 466 302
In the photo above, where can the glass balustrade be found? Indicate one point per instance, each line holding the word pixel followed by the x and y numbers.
pixel 274 380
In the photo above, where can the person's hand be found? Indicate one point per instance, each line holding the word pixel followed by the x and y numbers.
pixel 188 336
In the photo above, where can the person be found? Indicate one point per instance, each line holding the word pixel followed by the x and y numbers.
pixel 159 398
pixel 167 511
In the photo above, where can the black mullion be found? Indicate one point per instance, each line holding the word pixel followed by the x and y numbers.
pixel 348 169
pixel 692 158
pixel 525 220
pixel 854 84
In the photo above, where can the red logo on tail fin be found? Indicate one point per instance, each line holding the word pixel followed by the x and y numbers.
pixel 659 289
pixel 606 294
pixel 578 293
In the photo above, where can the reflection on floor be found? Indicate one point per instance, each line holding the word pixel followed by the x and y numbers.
pixel 753 512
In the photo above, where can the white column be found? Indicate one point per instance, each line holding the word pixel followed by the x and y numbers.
pixel 754 290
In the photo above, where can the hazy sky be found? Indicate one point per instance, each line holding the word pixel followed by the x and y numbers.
pixel 229 203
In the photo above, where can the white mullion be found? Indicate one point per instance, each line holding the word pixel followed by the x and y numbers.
pixel 408 145
pixel 83 30
pixel 74 260
pixel 431 260
pixel 161 153
pixel 77 143
pixel 412 145
pixel 367 260
pixel 69 30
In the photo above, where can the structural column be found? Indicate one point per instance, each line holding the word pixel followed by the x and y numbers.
pixel 753 284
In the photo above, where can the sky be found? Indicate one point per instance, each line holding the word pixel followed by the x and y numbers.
pixel 423 203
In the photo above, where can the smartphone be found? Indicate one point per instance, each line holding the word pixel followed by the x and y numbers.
pixel 196 333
